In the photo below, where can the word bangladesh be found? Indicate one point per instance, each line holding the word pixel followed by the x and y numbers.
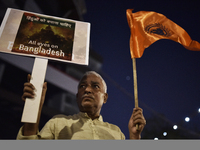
pixel 42 51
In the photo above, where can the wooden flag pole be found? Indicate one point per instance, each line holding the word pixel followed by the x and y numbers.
pixel 135 85
pixel 135 82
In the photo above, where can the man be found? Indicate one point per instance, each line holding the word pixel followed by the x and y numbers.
pixel 88 123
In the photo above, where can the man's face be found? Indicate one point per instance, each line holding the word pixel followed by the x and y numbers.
pixel 91 94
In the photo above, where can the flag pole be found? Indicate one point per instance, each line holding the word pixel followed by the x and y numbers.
pixel 135 82
pixel 135 85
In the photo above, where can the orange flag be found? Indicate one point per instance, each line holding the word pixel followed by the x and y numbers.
pixel 147 27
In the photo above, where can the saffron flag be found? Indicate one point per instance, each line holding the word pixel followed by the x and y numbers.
pixel 147 27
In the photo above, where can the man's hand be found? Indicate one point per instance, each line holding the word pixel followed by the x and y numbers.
pixel 137 118
pixel 29 89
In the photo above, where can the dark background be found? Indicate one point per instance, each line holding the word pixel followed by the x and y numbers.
pixel 168 74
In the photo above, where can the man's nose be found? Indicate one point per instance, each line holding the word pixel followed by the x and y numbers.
pixel 88 89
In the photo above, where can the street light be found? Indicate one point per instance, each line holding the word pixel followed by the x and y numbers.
pixel 187 119
pixel 175 127
pixel 164 133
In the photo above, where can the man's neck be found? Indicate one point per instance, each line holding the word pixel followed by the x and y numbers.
pixel 92 115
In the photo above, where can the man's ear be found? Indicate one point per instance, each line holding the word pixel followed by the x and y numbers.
pixel 105 97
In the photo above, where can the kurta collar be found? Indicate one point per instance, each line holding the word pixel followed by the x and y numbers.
pixel 85 115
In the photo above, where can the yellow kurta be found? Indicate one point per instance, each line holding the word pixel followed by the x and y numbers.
pixel 78 126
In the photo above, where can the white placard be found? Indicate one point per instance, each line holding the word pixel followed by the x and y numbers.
pixel 37 35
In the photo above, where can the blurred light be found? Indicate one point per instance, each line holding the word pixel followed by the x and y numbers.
pixel 155 138
pixel 199 110
pixel 175 127
pixel 187 119
pixel 164 133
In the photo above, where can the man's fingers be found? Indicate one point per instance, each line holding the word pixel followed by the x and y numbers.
pixel 137 112
pixel 28 85
pixel 27 95
pixel 28 77
pixel 138 117
pixel 28 91
pixel 139 121
pixel 137 109
pixel 45 86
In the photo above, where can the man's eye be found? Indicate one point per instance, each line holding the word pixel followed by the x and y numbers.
pixel 82 86
pixel 96 86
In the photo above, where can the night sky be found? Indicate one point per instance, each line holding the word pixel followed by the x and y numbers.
pixel 168 74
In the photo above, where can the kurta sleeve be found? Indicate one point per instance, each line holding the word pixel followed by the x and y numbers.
pixel 47 132
pixel 20 136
